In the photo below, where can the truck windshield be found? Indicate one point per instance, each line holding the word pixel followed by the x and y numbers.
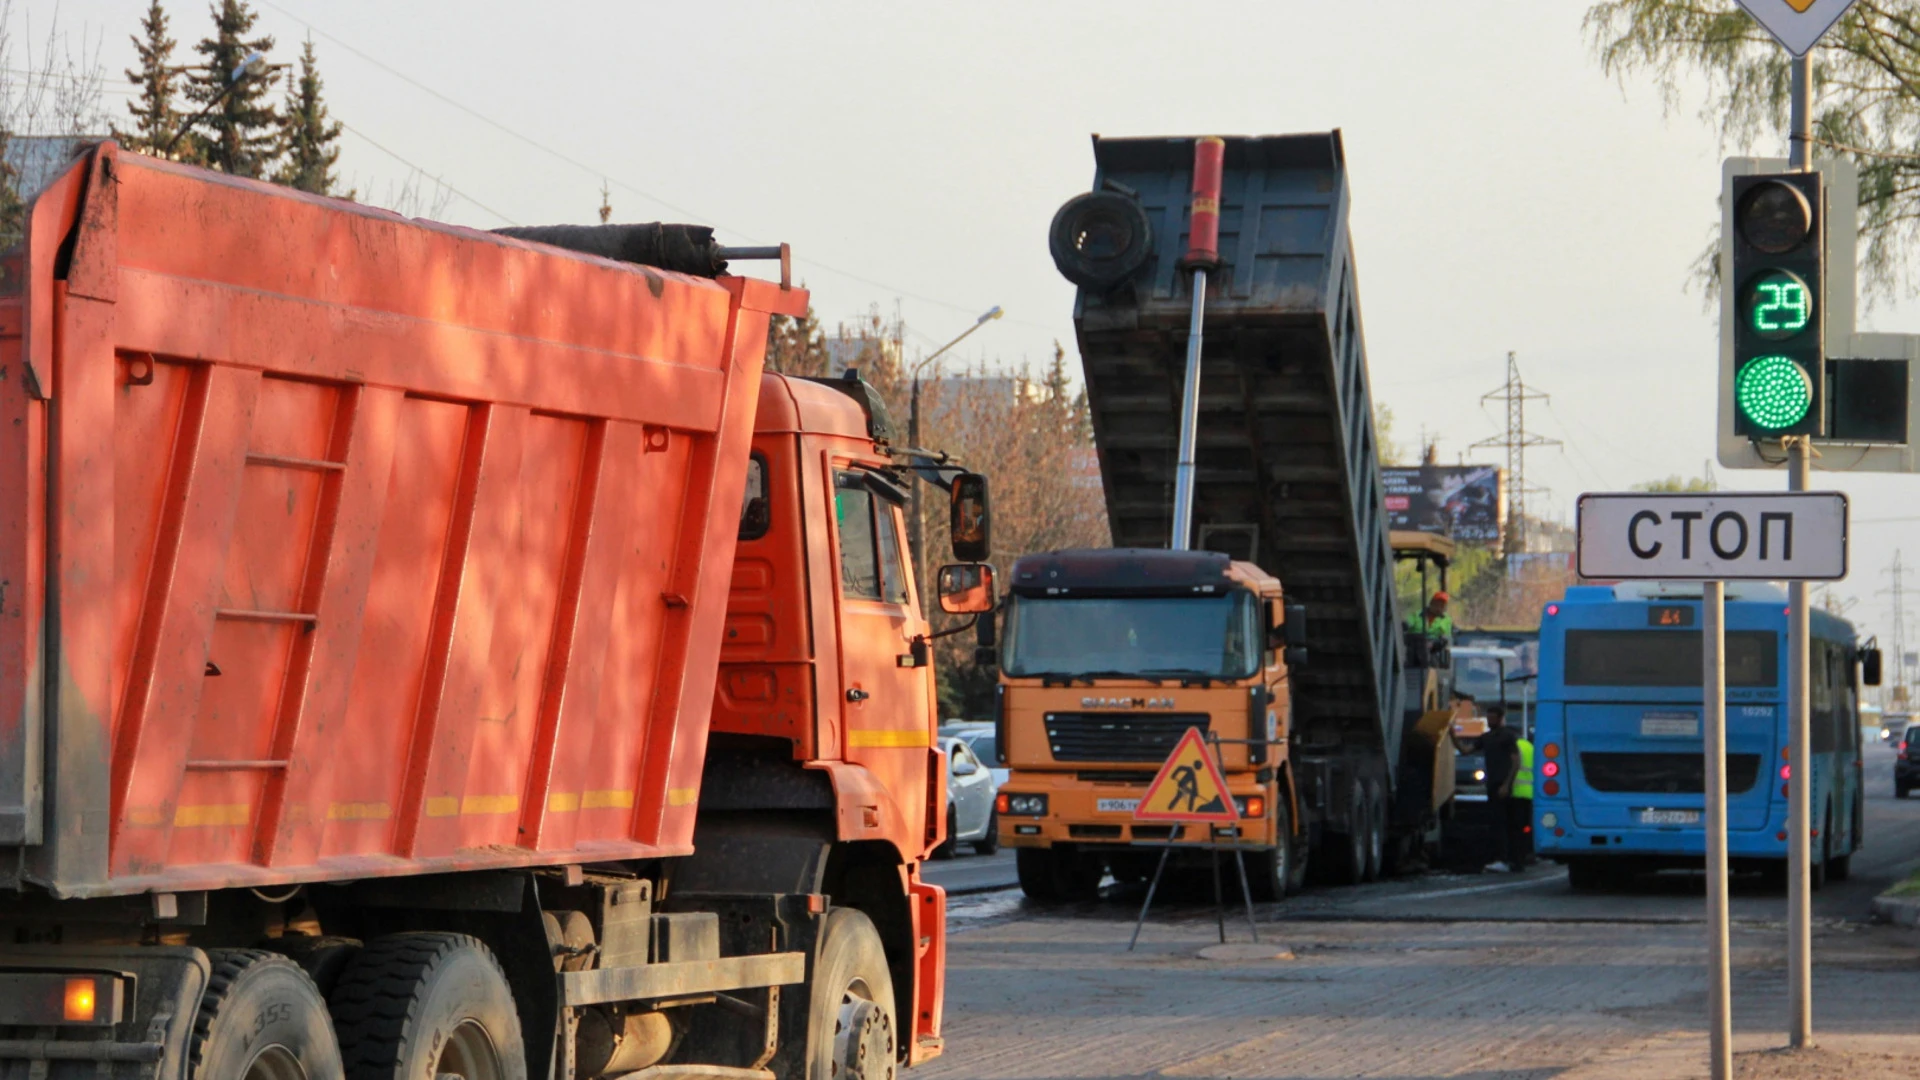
pixel 1212 637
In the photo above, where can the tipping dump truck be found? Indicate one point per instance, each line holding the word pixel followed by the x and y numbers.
pixel 1277 635
pixel 435 654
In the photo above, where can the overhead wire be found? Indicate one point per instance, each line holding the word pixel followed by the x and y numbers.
pixel 370 141
pixel 608 177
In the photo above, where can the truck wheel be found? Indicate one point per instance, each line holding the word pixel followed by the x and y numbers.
pixel 1346 851
pixel 1098 239
pixel 262 1019
pixel 1038 878
pixel 1269 872
pixel 1376 834
pixel 851 1034
pixel 990 843
pixel 949 846
pixel 427 1007
pixel 1300 857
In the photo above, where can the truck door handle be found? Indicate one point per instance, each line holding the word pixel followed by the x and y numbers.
pixel 857 694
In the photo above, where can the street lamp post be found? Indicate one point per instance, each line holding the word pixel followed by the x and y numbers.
pixel 254 64
pixel 916 539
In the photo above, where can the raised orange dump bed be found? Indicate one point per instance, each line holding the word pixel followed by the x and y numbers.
pixel 337 545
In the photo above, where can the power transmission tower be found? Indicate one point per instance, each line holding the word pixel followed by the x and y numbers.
pixel 1897 693
pixel 1515 394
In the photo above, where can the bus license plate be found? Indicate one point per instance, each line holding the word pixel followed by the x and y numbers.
pixel 1669 817
pixel 1116 806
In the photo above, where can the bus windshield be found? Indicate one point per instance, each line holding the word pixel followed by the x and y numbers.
pixel 1666 658
pixel 1211 637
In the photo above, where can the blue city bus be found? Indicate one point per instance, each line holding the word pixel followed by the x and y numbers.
pixel 1619 763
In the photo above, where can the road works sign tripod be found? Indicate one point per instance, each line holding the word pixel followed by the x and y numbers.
pixel 1191 789
pixel 1794 536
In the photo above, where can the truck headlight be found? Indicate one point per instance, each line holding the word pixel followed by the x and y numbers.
pixel 1027 805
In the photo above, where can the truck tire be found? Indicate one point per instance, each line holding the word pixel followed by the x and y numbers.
pixel 262 1019
pixel 427 1007
pixel 1269 872
pixel 1345 851
pixel 949 846
pixel 990 843
pixel 1302 865
pixel 1376 833
pixel 1049 876
pixel 1099 238
pixel 851 1029
pixel 1034 866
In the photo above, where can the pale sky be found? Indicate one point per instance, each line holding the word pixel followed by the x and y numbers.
pixel 1506 194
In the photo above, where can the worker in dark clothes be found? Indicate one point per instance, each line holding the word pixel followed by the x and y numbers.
pixel 1500 746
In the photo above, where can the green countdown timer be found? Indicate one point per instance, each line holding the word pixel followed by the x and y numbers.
pixel 1773 393
pixel 1778 305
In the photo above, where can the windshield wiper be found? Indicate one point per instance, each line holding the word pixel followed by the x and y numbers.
pixel 1069 678
pixel 1187 676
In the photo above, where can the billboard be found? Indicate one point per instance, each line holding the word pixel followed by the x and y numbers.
pixel 1466 502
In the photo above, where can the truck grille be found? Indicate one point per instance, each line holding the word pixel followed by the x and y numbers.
pixel 1118 736
pixel 1664 773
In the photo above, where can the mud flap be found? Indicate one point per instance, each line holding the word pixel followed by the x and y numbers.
pixel 151 1040
pixel 930 964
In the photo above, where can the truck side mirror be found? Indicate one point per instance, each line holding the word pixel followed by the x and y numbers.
pixel 1296 658
pixel 966 588
pixel 1294 630
pixel 1870 666
pixel 970 519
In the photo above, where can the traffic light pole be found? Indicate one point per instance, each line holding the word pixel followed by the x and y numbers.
pixel 1800 778
pixel 1713 626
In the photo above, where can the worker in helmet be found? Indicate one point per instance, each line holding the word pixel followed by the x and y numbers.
pixel 1432 620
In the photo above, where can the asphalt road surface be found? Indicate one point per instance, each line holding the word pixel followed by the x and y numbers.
pixel 1478 977
pixel 967 873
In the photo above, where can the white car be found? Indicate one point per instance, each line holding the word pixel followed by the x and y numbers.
pixel 980 738
pixel 970 792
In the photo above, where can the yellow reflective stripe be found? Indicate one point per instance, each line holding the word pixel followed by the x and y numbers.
pixel 563 803
pixel 359 811
pixel 214 814
pixel 617 800
pixel 916 737
pixel 450 806
pixel 681 796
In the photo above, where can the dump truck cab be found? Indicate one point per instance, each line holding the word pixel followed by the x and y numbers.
pixel 1108 657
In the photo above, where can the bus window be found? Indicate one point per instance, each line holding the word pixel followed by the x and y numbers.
pixel 1666 658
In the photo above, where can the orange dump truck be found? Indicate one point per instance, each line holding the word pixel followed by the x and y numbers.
pixel 427 653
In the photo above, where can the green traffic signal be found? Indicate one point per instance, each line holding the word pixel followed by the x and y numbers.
pixel 1773 393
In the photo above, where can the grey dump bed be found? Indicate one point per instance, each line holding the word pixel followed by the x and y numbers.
pixel 1287 471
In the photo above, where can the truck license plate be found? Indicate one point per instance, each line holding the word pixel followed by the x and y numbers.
pixel 1651 816
pixel 1115 806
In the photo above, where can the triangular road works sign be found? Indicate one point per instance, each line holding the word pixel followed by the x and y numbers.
pixel 1796 24
pixel 1189 787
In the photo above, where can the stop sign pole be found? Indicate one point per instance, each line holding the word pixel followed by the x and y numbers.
pixel 1713 538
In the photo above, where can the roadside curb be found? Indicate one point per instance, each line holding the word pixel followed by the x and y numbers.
pixel 1898 910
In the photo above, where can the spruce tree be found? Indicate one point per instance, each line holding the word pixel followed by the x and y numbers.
pixel 307 134
pixel 242 134
pixel 13 210
pixel 155 120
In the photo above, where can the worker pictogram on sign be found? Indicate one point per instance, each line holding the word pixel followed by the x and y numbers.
pixel 1189 787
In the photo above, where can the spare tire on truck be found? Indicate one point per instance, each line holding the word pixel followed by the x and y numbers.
pixel 1100 238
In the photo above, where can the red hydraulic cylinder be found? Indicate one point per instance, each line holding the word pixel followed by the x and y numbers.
pixel 1203 230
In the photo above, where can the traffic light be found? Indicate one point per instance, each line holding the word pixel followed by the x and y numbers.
pixel 1779 301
